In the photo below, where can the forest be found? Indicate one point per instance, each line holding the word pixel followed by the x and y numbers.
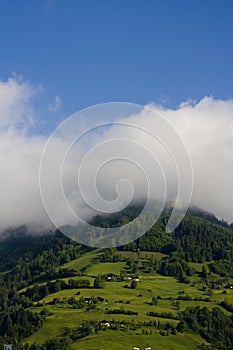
pixel 34 268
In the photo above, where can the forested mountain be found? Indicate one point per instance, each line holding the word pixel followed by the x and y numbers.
pixel 33 268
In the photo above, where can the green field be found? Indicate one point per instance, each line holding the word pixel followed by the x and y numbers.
pixel 127 341
pixel 106 268
pixel 117 296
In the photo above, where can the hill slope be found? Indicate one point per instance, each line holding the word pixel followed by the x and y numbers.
pixel 162 290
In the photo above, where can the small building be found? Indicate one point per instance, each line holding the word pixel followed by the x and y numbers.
pixel 88 300
pixel 229 285
pixel 100 300
pixel 111 276
pixel 7 346
pixel 136 278
pixel 105 323
pixel 127 277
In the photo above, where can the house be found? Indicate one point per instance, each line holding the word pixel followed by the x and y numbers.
pixel 100 300
pixel 136 278
pixel 127 277
pixel 7 347
pixel 93 300
pixel 88 300
pixel 105 323
pixel 111 276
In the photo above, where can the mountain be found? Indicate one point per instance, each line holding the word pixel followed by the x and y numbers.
pixel 167 291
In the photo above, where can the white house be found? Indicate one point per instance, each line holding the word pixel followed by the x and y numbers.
pixel 7 347
pixel 105 323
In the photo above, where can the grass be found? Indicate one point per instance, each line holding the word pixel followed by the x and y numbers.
pixel 169 288
pixel 119 341
pixel 84 260
pixel 105 268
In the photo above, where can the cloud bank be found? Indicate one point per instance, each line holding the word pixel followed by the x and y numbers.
pixel 205 126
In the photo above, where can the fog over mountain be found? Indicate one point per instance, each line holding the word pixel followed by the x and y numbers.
pixel 205 126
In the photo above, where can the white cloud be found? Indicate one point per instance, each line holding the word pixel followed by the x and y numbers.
pixel 206 127
pixel 56 105
pixel 19 156
pixel 15 103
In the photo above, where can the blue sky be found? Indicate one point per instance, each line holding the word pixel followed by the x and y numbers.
pixel 73 54
pixel 89 52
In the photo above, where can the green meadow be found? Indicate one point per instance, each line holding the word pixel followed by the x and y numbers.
pixel 119 295
pixel 119 341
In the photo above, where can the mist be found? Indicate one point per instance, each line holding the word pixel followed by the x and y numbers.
pixel 206 127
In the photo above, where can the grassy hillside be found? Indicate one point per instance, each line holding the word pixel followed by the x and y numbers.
pixel 156 341
pixel 167 288
pixel 73 289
